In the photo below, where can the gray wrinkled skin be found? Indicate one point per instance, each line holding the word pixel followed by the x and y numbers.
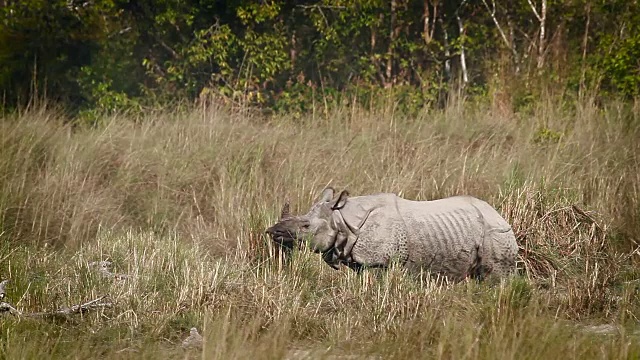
pixel 455 237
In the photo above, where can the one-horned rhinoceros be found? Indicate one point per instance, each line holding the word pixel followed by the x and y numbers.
pixel 455 237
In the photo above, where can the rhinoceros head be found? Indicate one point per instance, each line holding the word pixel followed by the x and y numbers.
pixel 316 226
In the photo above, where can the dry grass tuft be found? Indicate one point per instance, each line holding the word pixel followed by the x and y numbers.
pixel 180 201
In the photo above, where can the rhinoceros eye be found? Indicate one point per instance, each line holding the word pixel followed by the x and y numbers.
pixel 306 226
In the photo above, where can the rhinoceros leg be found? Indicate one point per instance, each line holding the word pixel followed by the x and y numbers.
pixel 479 269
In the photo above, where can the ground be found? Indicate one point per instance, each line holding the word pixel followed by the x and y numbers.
pixel 178 203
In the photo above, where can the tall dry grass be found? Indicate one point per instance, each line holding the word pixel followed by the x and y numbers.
pixel 180 200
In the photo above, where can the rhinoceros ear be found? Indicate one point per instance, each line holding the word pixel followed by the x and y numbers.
pixel 285 211
pixel 327 195
pixel 341 201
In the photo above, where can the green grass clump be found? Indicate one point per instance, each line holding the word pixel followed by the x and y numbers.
pixel 180 201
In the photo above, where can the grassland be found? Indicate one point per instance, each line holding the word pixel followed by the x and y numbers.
pixel 179 201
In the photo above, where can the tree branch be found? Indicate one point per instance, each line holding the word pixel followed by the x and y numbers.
pixel 463 60
pixel 542 17
pixel 495 21
pixel 447 52
pixel 541 42
pixel 392 38
pixel 75 309
pixel 585 41
pixel 535 11
pixel 62 311
pixel 322 7
pixel 425 25
pixel 502 34
pixel 167 47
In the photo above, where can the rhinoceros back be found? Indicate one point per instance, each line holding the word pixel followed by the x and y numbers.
pixel 443 235
pixel 448 236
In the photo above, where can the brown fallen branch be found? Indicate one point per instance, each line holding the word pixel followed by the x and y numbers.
pixel 75 309
pixel 6 307
pixel 587 216
pixel 101 267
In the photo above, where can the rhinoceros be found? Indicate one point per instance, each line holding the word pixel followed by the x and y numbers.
pixel 456 237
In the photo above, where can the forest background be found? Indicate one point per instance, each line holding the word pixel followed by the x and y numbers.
pixel 289 56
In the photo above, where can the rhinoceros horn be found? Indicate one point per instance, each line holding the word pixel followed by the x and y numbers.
pixel 285 211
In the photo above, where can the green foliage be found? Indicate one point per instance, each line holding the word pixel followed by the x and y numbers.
pixel 545 135
pixel 108 55
pixel 621 64
pixel 43 43
pixel 519 293
pixel 515 177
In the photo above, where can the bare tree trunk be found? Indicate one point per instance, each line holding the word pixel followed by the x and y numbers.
pixel 541 44
pixel 427 29
pixel 542 19
pixel 293 53
pixel 463 61
pixel 447 50
pixel 392 38
pixel 434 17
pixel 373 40
pixel 375 60
pixel 514 50
pixel 428 25
pixel 585 41
pixel 510 44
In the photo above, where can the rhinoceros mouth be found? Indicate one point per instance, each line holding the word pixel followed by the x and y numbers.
pixel 282 237
pixel 330 258
pixel 283 240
